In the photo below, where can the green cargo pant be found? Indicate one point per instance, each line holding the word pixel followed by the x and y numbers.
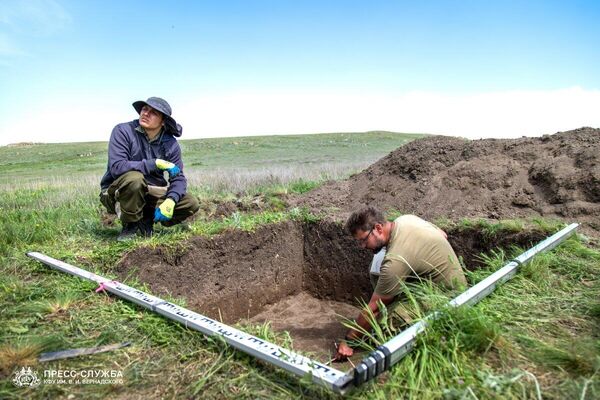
pixel 128 197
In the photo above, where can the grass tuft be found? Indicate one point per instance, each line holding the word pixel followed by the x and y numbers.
pixel 24 352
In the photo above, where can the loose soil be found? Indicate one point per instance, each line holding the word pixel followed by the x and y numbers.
pixel 556 176
pixel 314 324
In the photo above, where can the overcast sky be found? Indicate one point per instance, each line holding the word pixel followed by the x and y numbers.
pixel 70 69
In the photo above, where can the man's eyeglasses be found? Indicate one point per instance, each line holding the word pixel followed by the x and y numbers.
pixel 364 240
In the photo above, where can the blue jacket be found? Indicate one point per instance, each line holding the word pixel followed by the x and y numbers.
pixel 130 150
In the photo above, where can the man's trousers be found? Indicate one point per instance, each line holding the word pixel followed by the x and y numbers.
pixel 130 197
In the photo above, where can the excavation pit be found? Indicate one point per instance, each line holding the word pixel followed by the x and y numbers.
pixel 300 277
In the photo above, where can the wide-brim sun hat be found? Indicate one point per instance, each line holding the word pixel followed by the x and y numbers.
pixel 161 105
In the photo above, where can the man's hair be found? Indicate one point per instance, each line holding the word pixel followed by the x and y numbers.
pixel 364 220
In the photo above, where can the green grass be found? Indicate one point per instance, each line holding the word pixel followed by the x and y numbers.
pixel 532 337
pixel 536 334
pixel 31 163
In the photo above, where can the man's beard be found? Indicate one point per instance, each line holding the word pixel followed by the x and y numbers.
pixel 380 245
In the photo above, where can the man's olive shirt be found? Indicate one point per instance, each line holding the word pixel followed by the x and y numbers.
pixel 416 250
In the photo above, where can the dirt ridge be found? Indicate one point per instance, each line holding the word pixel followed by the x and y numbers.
pixel 553 176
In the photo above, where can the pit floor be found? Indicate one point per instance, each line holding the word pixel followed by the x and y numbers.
pixel 313 324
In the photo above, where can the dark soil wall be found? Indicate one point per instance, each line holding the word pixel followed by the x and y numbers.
pixel 469 243
pixel 236 272
pixel 335 267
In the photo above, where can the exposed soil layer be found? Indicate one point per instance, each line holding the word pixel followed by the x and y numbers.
pixel 229 276
pixel 335 267
pixel 470 243
pixel 556 176
pixel 298 276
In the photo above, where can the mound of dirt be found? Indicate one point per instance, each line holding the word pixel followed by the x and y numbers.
pixel 554 176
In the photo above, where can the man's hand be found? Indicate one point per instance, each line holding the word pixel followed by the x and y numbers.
pixel 171 168
pixel 343 351
pixel 164 212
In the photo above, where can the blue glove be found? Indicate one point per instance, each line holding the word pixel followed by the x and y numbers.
pixel 171 168
pixel 164 212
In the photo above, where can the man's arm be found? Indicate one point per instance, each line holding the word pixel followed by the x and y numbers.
pixel 119 152
pixel 177 184
pixel 344 351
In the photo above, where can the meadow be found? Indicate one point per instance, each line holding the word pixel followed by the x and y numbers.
pixel 536 337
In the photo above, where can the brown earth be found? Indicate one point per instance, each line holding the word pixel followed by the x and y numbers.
pixel 314 324
pixel 556 176
pixel 302 275
pixel 229 276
